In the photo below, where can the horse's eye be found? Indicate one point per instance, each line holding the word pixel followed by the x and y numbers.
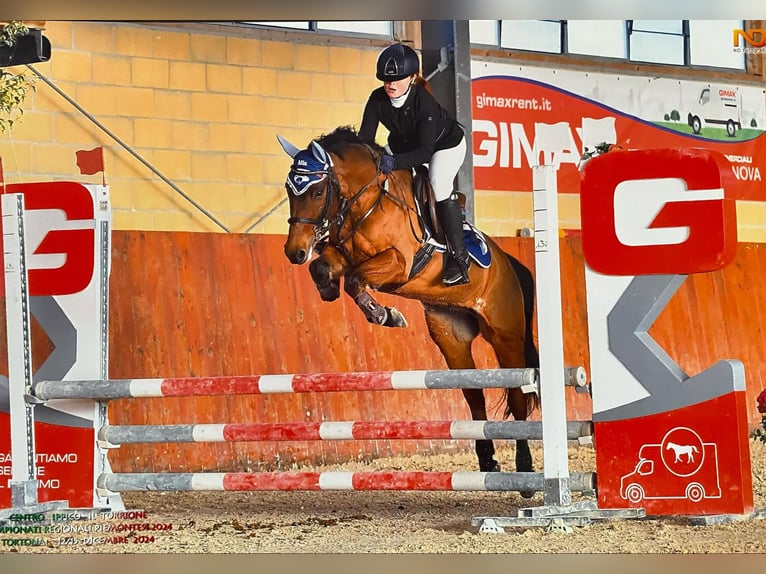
pixel 319 191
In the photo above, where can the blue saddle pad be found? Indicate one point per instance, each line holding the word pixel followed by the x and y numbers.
pixel 475 244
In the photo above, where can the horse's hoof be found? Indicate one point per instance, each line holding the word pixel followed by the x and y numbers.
pixel 526 493
pixel 395 318
pixel 493 467
pixel 330 293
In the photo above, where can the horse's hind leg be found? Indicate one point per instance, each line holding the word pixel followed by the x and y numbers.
pixel 510 354
pixel 453 330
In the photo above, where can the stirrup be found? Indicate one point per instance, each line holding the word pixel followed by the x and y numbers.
pixel 456 271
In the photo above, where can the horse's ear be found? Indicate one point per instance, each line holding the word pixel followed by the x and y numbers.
pixel 320 153
pixel 289 148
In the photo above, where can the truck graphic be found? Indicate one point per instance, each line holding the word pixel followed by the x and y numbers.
pixel 681 466
pixel 716 106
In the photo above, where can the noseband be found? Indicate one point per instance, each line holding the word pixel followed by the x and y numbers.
pixel 322 223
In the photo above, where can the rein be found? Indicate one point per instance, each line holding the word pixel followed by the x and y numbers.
pixel 345 208
pixel 340 217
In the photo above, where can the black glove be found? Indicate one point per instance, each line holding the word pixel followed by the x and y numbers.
pixel 387 163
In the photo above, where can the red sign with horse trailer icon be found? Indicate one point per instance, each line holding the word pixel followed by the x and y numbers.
pixel 687 461
pixel 673 444
pixel 685 469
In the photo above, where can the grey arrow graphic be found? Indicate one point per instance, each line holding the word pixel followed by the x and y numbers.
pixel 63 335
pixel 669 386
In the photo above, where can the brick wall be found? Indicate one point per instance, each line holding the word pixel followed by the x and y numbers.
pixel 202 107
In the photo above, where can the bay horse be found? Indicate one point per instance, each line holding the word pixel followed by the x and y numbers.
pixel 364 227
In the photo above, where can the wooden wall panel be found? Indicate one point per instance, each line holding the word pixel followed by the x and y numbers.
pixel 720 315
pixel 212 304
pixel 196 304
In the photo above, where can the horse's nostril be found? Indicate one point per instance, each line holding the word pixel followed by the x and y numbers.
pixel 300 256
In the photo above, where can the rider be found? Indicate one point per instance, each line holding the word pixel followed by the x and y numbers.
pixel 420 131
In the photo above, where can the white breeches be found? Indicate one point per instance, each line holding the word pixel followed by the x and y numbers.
pixel 443 168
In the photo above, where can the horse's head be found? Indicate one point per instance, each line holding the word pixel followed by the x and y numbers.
pixel 326 181
pixel 309 193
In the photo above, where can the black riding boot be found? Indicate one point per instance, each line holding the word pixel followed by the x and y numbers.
pixel 451 220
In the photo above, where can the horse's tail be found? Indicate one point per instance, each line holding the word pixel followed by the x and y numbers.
pixel 531 355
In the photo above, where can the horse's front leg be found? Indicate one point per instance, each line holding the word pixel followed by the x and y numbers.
pixel 326 271
pixel 386 268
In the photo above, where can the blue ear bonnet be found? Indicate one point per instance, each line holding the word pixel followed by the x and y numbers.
pixel 306 170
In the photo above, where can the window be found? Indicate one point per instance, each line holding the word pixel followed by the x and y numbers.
pixel 368 28
pixel 710 42
pixel 605 38
pixel 536 35
pixel 484 32
pixel 658 41
pixel 304 25
pixel 669 42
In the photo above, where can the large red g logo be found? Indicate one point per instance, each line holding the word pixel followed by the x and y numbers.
pixel 72 240
pixel 663 211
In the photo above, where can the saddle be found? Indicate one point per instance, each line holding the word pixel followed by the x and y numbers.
pixel 434 240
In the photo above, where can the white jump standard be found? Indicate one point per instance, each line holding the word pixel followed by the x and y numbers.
pixel 23 483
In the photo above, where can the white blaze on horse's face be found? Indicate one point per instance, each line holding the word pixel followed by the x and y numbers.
pixel 303 222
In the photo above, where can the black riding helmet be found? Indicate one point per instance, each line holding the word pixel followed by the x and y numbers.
pixel 396 63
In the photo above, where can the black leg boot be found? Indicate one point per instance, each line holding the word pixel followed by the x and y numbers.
pixel 451 220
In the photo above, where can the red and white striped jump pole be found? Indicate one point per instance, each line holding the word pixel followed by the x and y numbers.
pixel 378 480
pixel 526 379
pixel 334 430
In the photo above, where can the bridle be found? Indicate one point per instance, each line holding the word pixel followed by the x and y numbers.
pixel 322 223
pixel 325 222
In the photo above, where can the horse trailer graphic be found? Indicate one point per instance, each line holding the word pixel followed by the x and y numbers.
pixel 716 106
pixel 681 466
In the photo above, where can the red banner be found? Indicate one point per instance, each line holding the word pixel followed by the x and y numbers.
pixel 506 109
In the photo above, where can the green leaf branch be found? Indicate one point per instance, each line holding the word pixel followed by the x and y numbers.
pixel 14 88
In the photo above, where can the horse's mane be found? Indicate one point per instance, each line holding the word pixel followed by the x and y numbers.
pixel 338 139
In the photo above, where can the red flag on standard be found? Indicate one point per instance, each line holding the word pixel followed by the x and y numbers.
pixel 90 161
